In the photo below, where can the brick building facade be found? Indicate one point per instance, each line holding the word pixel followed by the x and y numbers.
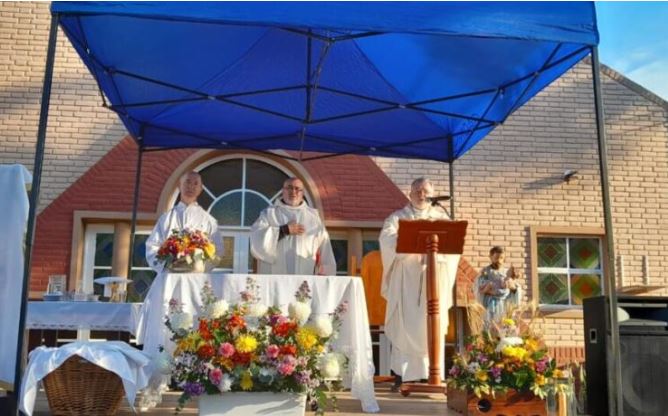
pixel 509 187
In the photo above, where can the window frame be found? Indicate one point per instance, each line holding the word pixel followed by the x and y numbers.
pixel 90 239
pixel 536 232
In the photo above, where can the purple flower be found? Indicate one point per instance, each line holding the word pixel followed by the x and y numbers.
pixel 193 388
pixel 541 365
pixel 454 371
pixel 303 377
pixel 496 372
pixel 303 293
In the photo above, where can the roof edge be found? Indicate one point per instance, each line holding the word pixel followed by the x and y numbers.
pixel 632 85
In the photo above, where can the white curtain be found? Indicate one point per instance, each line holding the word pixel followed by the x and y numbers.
pixel 13 182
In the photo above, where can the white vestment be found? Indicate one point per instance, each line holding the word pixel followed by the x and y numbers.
pixel 181 217
pixel 404 286
pixel 292 254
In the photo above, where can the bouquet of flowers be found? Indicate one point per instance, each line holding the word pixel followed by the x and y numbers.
pixel 184 248
pixel 505 355
pixel 250 346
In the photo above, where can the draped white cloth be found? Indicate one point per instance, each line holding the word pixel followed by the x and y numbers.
pixel 404 286
pixel 327 293
pixel 115 356
pixel 15 204
pixel 101 316
pixel 292 254
pixel 181 217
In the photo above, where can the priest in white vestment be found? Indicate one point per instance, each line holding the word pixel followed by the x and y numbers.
pixel 404 286
pixel 187 214
pixel 289 237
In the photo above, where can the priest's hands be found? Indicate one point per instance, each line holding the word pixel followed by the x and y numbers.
pixel 295 228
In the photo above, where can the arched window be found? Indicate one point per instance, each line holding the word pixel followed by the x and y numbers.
pixel 236 190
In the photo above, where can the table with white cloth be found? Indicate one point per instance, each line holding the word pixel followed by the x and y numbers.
pixel 327 292
pixel 130 364
pixel 97 316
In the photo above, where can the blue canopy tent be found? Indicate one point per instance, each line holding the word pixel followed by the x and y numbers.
pixel 401 79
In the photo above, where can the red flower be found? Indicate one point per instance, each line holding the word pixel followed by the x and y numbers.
pixel 288 349
pixel 242 358
pixel 206 351
pixel 284 328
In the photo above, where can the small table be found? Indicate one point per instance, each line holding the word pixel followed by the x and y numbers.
pixel 97 316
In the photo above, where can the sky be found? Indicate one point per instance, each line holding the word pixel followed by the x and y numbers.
pixel 634 41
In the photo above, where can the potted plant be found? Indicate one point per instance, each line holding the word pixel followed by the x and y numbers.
pixel 250 358
pixel 505 366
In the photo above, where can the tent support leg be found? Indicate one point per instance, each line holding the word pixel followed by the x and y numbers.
pixel 615 403
pixel 34 202
pixel 135 204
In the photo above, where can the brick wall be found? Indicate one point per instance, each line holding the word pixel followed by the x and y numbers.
pixel 79 132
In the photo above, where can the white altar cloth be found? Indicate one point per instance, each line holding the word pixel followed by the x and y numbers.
pixel 101 316
pixel 97 316
pixel 327 293
pixel 118 357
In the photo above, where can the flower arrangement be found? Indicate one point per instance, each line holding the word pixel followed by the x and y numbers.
pixel 184 248
pixel 506 354
pixel 250 346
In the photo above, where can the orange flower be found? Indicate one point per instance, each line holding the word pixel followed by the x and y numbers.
pixel 204 331
pixel 236 322
pixel 206 351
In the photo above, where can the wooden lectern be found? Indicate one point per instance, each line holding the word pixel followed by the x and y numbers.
pixel 431 238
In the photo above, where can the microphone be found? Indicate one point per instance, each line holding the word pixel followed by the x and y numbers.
pixel 436 199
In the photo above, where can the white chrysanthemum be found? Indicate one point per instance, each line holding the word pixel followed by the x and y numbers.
pixel 323 326
pixel 257 309
pixel 299 311
pixel 509 342
pixel 329 366
pixel 217 309
pixel 226 383
pixel 181 320
pixel 473 367
pixel 163 362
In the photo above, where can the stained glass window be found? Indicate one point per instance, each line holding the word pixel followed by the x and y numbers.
pixel 569 269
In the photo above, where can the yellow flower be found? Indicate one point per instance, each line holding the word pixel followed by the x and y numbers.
pixel 558 373
pixel 517 353
pixel 306 338
pixel 508 322
pixel 540 379
pixel 210 250
pixel 189 343
pixel 531 344
pixel 321 348
pixel 246 343
pixel 246 381
pixel 481 375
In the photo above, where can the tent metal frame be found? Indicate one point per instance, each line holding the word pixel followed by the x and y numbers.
pixel 615 401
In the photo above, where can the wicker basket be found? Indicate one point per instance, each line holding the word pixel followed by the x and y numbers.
pixel 79 387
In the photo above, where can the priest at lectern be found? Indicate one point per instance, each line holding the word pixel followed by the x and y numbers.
pixel 404 286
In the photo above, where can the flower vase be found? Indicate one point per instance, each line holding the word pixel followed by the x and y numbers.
pixel 252 403
pixel 198 266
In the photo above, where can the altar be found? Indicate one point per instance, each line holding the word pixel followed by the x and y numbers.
pixel 328 292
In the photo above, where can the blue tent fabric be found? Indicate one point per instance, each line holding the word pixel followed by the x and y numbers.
pixel 400 79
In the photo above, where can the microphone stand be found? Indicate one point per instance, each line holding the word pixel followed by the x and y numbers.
pixel 438 204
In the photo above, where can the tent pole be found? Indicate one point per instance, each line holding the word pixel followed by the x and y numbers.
pixel 615 403
pixel 459 315
pixel 34 202
pixel 135 204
